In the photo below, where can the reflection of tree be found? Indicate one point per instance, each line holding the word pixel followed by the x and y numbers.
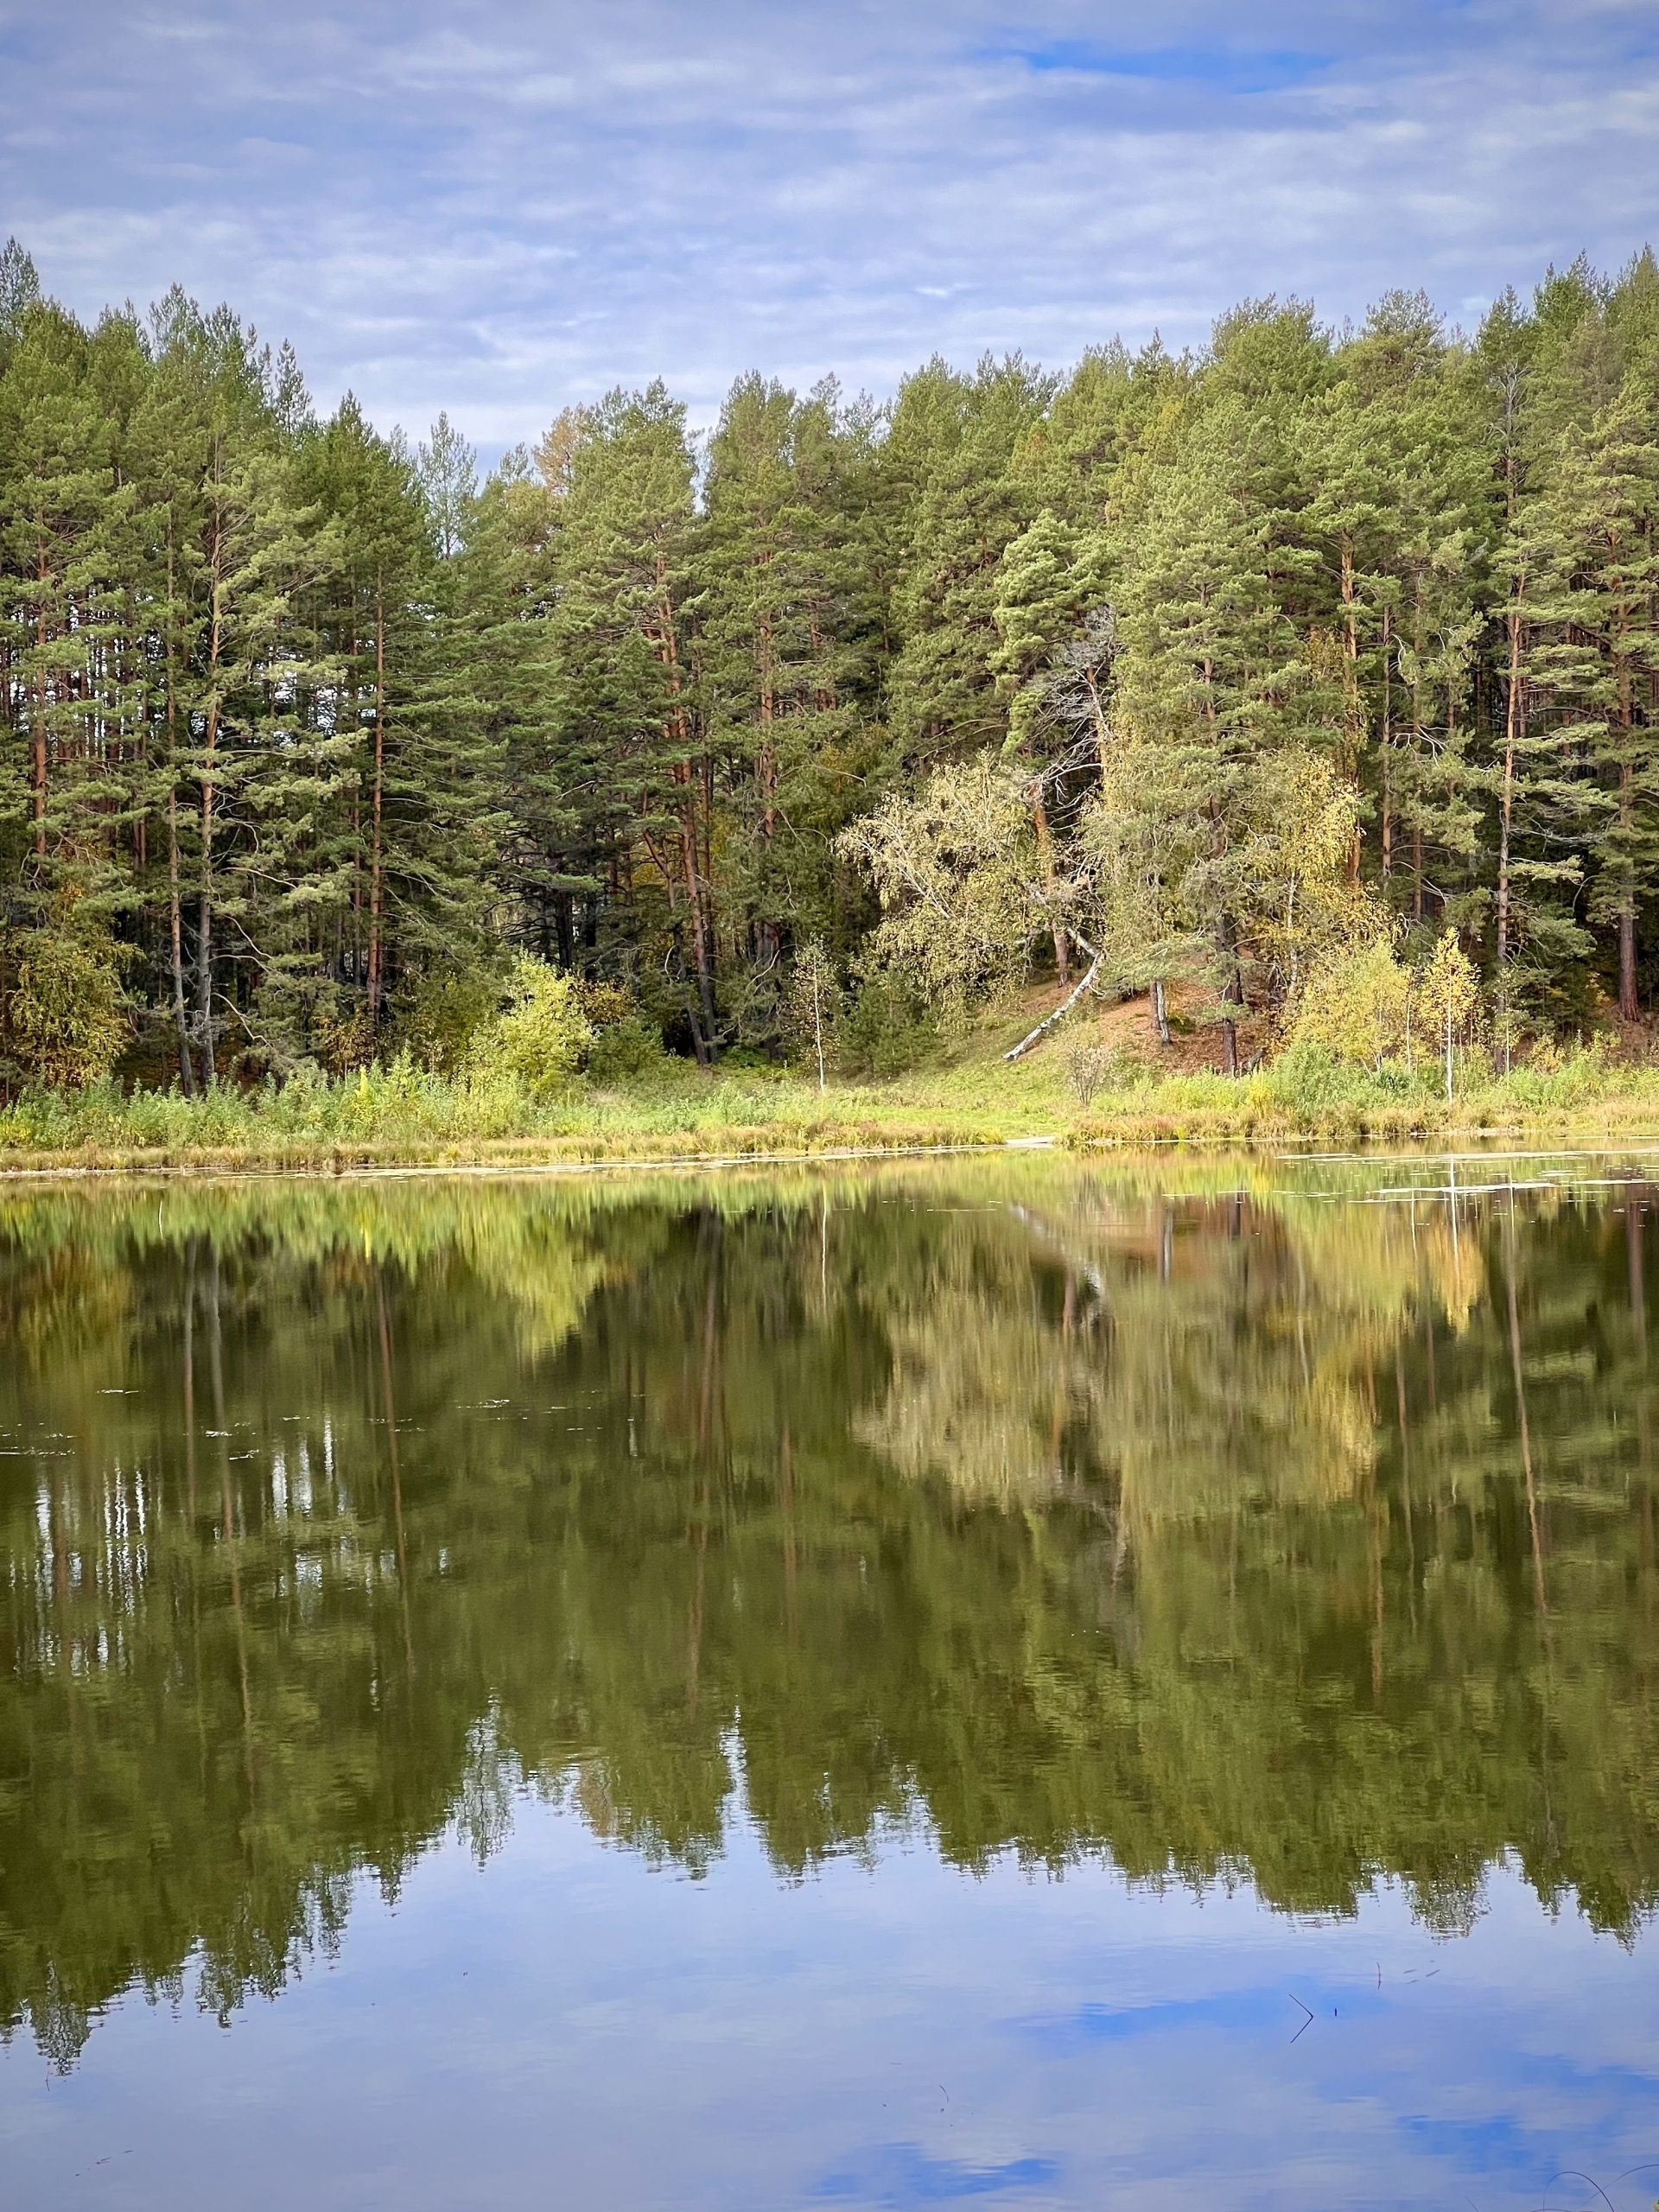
pixel 1224 1355
pixel 1060 1514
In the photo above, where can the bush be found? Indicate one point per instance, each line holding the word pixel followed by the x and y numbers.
pixel 344 1036
pixel 540 1038
pixel 889 1030
pixel 1089 1066
pixel 1311 1078
pixel 605 1005
pixel 625 1051
pixel 445 1011
pixel 1356 1006
pixel 68 1027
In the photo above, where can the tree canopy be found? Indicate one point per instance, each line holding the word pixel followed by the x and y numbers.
pixel 1309 635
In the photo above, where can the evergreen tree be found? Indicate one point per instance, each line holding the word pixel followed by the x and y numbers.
pixel 1216 705
pixel 448 472
pixel 1592 582
pixel 629 705
pixel 297 723
pixel 1395 490
pixel 773 669
pixel 956 504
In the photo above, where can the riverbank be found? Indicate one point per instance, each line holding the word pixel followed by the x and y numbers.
pixel 401 1116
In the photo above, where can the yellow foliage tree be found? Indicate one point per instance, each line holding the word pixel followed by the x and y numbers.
pixel 1356 1004
pixel 961 885
pixel 1447 995
pixel 541 1037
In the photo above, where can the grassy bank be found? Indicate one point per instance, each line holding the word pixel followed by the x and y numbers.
pixel 401 1116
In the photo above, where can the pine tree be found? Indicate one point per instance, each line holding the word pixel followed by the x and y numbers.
pixel 20 290
pixel 630 709
pixel 1396 487
pixel 773 669
pixel 948 459
pixel 72 704
pixel 1591 581
pixel 370 612
pixel 1216 703
pixel 239 745
pixel 448 471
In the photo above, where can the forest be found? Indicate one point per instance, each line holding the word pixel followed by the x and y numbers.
pixel 1307 683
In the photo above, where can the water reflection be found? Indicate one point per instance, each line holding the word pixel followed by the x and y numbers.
pixel 1222 1522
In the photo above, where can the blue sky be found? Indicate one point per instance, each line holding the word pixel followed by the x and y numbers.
pixel 500 205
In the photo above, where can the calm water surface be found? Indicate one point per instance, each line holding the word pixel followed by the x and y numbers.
pixel 1003 1681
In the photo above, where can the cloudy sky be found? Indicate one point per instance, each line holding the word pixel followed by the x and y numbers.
pixel 500 206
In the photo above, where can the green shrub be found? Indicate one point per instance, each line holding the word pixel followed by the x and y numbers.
pixel 625 1051
pixel 540 1038
pixel 1311 1078
pixel 67 1028
pixel 889 1030
pixel 445 1011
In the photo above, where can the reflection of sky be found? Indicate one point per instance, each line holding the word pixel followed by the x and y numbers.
pixel 569 2028
pixel 499 207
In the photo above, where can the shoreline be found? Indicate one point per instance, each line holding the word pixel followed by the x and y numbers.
pixel 1483 1135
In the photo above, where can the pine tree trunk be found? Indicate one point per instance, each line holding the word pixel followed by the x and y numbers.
pixel 1385 747
pixel 205 967
pixel 767 777
pixel 1506 807
pixel 1628 1008
pixel 180 1019
pixel 379 787
pixel 678 733
pixel 38 776
pixel 175 916
pixel 699 923
pixel 205 926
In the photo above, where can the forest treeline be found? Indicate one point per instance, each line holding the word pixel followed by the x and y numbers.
pixel 1206 671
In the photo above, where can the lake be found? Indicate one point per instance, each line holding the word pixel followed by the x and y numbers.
pixel 1008 1680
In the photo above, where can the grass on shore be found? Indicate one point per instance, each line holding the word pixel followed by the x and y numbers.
pixel 399 1116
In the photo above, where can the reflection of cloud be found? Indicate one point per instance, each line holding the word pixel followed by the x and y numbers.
pixel 1254 2012
pixel 902 2173
pixel 500 209
pixel 726 2043
pixel 1236 71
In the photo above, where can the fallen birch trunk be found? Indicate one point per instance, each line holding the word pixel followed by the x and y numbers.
pixel 1066 1005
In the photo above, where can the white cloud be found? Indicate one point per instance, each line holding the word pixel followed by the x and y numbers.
pixel 495 208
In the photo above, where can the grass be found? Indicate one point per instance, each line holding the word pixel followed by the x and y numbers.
pixel 400 1116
